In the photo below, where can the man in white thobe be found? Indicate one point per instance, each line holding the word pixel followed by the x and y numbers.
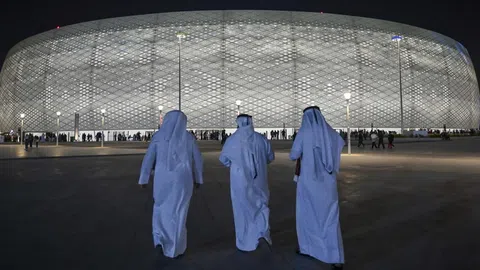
pixel 319 147
pixel 177 161
pixel 247 154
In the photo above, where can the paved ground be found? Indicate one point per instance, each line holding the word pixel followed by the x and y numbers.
pixel 416 207
pixel 16 151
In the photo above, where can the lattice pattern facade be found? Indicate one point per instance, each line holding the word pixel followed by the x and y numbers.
pixel 276 63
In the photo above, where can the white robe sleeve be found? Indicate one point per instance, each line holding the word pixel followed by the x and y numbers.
pixel 197 164
pixel 297 148
pixel 270 153
pixel 147 164
pixel 224 155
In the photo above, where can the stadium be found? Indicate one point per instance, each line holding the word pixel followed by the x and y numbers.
pixel 275 63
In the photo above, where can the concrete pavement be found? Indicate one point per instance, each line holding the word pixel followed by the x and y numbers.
pixel 10 151
pixel 400 210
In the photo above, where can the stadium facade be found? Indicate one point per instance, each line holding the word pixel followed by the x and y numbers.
pixel 276 63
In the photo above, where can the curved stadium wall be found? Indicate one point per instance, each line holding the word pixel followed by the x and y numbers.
pixel 276 63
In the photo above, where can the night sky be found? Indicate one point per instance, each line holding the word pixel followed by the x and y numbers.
pixel 20 19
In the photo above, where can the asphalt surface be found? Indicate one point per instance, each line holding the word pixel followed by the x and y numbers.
pixel 414 207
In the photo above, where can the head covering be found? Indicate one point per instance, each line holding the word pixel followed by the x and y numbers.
pixel 172 136
pixel 325 141
pixel 245 125
pixel 245 134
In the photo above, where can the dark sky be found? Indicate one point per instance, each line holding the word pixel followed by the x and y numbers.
pixel 457 19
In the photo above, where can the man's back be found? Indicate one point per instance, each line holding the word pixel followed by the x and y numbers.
pixel 256 141
pixel 246 148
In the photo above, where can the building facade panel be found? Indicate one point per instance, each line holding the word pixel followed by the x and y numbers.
pixel 275 63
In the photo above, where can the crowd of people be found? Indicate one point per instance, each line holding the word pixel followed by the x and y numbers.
pixel 173 156
pixel 278 135
pixel 117 137
pixel 376 138
pixel 356 134
pixel 206 135
pixel 221 135
pixel 86 137
pixel 30 138
pixel 454 132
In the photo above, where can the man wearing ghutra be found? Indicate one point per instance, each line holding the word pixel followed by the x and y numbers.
pixel 247 154
pixel 177 161
pixel 319 147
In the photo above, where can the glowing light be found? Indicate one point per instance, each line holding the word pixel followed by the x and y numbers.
pixel 396 38
pixel 181 35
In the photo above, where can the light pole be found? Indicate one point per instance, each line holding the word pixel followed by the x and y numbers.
pixel 103 125
pixel 22 115
pixel 238 102
pixel 160 109
pixel 398 39
pixel 180 36
pixel 347 97
pixel 58 124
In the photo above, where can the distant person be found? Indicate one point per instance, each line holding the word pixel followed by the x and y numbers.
pixel 25 141
pixel 30 140
pixel 318 146
pixel 36 141
pixel 380 139
pixel 445 136
pixel 390 140
pixel 83 137
pixel 247 154
pixel 224 139
pixel 374 138
pixel 360 140
pixel 178 164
